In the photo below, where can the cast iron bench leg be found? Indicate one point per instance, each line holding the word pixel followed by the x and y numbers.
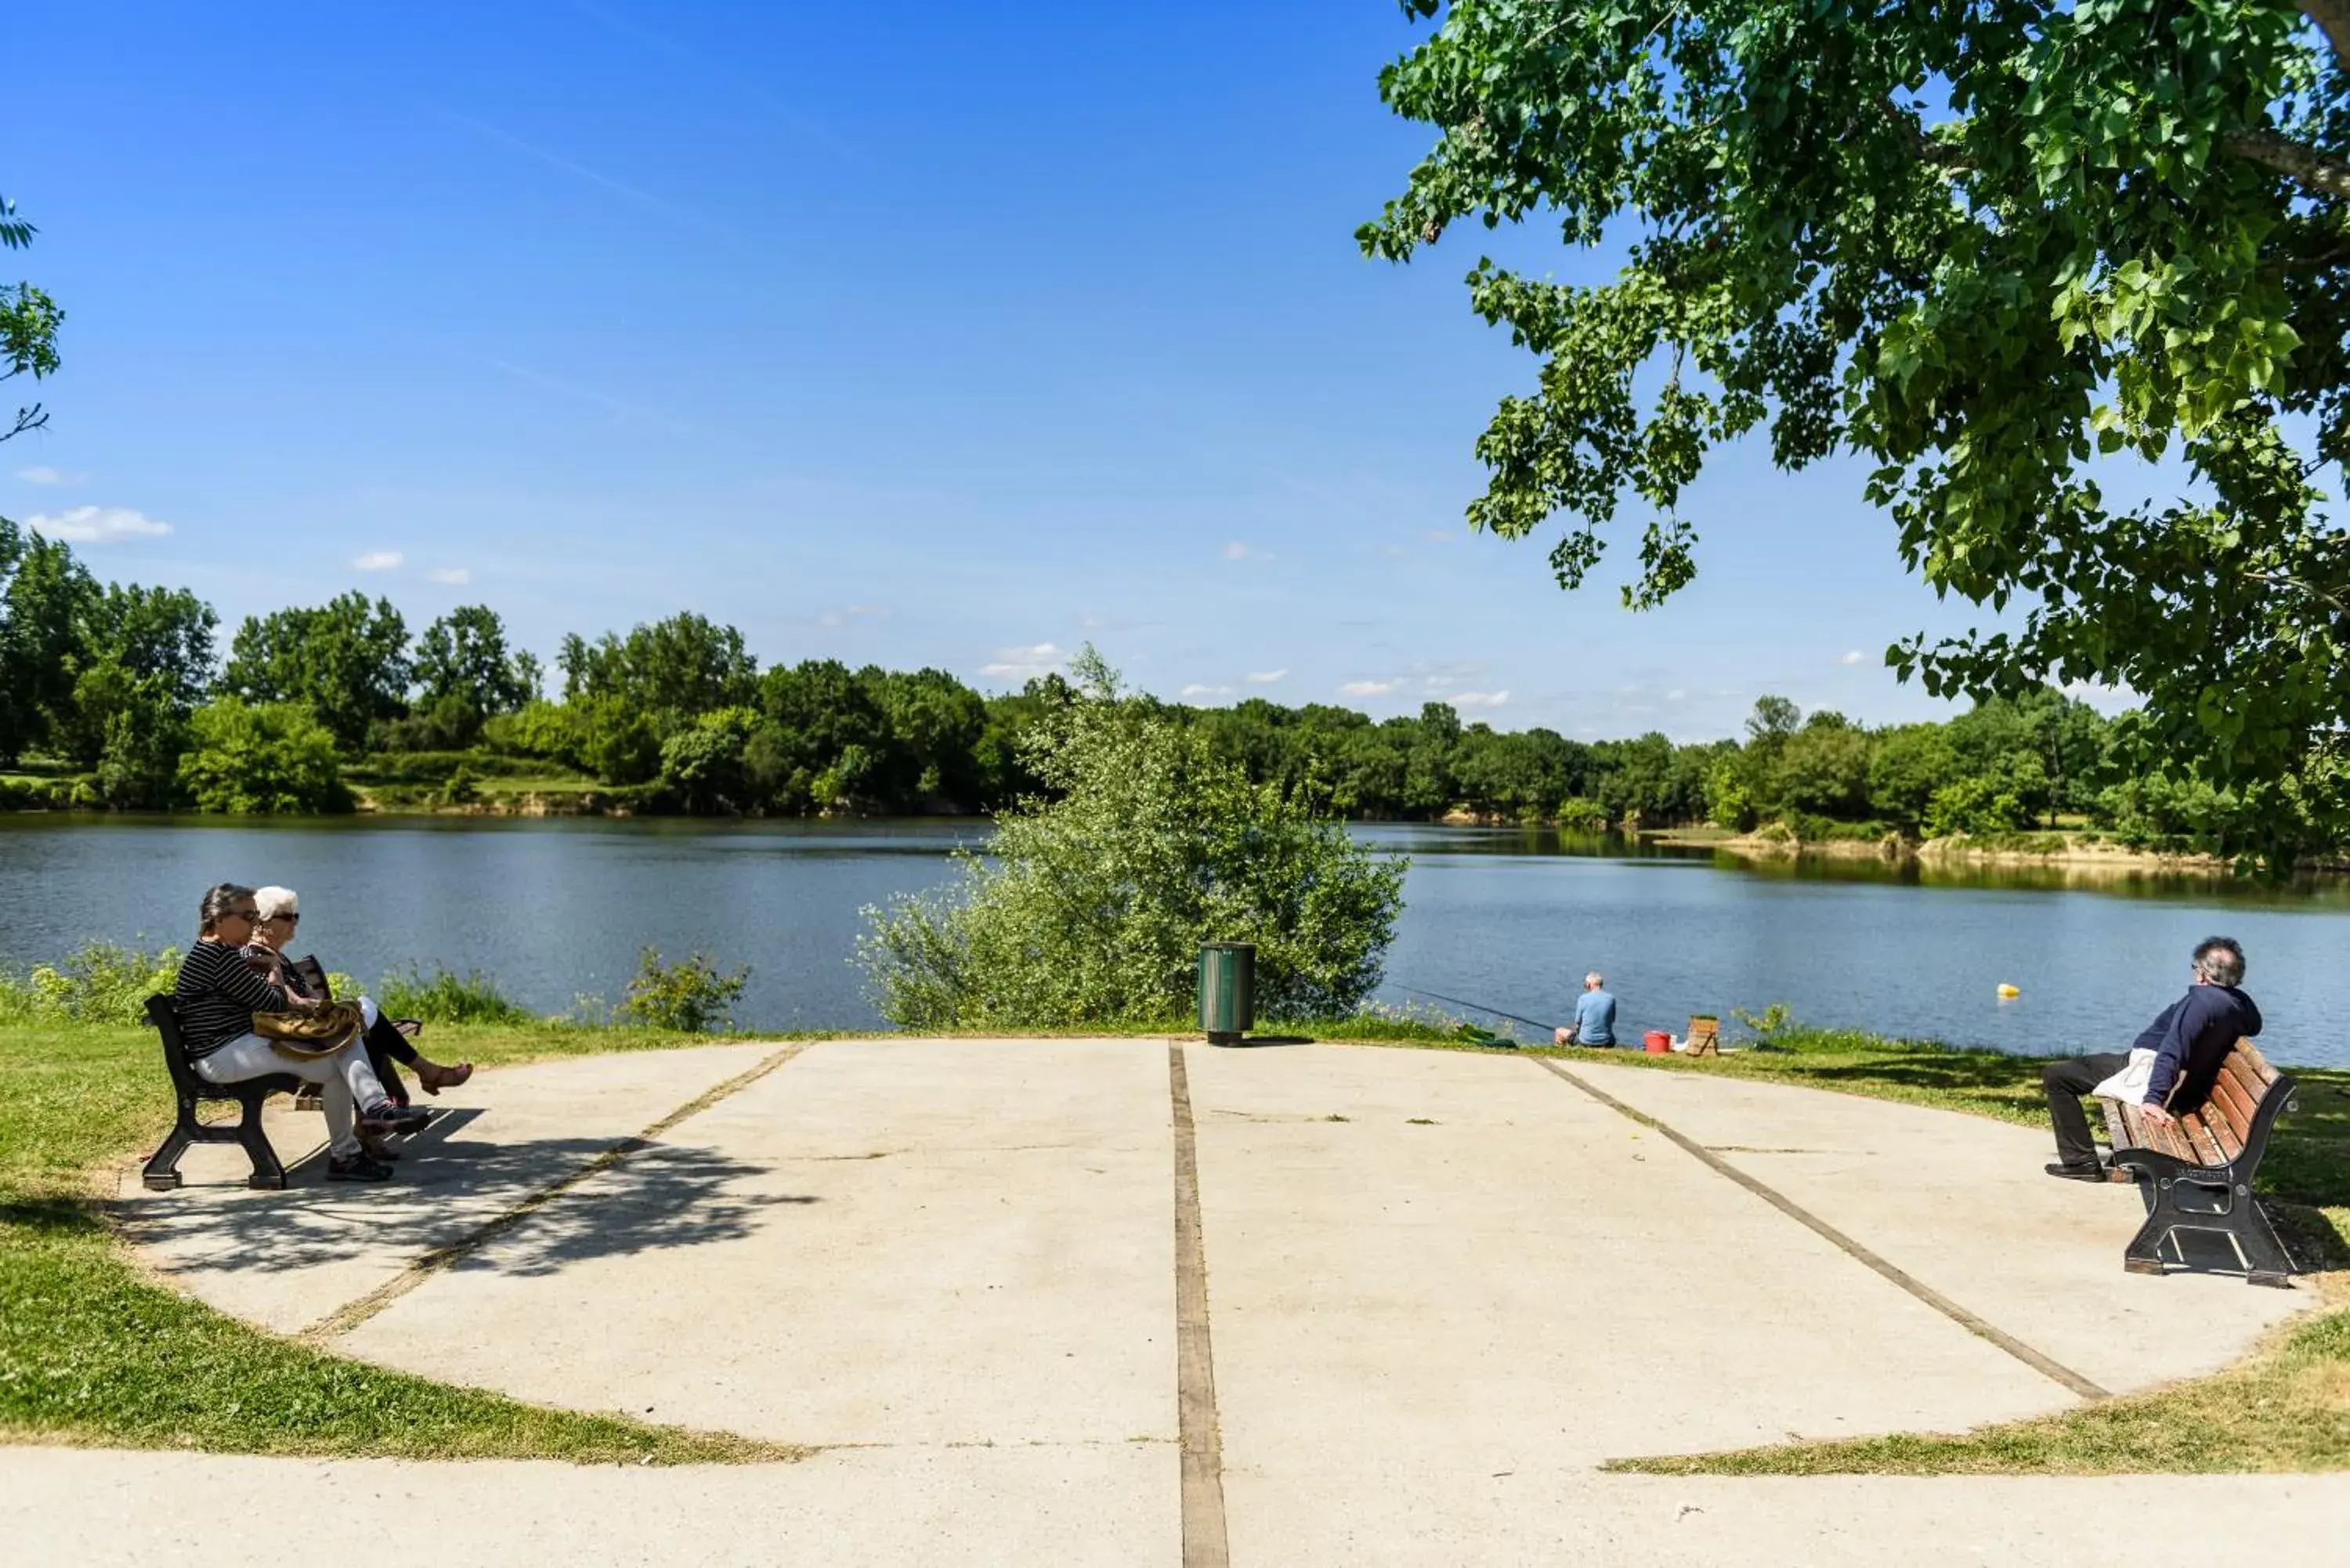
pixel 2265 1263
pixel 162 1172
pixel 2241 1221
pixel 266 1172
pixel 2144 1253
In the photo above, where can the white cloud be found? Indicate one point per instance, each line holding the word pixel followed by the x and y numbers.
pixel 1026 663
pixel 1265 677
pixel 1677 694
pixel 1854 657
pixel 1368 688
pixel 1237 551
pixel 1191 693
pixel 853 612
pixel 1480 699
pixel 449 576
pixel 98 525
pixel 379 561
pixel 42 473
pixel 1436 535
pixel 1445 674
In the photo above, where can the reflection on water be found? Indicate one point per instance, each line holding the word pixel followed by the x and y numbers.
pixel 1508 917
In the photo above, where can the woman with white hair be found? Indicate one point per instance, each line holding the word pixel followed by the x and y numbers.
pixel 218 994
pixel 280 913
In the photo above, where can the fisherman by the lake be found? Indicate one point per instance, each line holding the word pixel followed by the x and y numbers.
pixel 1594 1016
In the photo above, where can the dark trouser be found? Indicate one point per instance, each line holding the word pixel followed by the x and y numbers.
pixel 2066 1082
pixel 385 1045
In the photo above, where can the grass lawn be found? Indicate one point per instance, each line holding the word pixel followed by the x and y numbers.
pixel 2284 1407
pixel 94 1352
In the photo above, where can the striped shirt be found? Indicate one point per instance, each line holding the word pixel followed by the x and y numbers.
pixel 218 994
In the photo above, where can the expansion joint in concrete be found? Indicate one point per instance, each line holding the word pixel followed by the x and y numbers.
pixel 1205 1543
pixel 1973 1323
pixel 352 1314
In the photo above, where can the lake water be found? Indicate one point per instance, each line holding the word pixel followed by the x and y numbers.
pixel 555 909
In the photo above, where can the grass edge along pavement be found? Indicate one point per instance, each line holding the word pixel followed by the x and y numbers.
pixel 96 1352
pixel 2285 1406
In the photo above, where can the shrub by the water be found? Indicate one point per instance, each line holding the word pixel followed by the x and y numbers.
pixel 257 758
pixel 444 997
pixel 103 982
pixel 690 996
pixel 1090 907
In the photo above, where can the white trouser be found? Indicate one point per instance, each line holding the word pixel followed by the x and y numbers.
pixel 345 1079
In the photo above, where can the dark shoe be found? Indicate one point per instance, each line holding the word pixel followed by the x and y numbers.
pixel 387 1119
pixel 356 1168
pixel 2078 1172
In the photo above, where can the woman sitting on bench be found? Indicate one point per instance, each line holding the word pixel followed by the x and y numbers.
pixel 386 1043
pixel 218 993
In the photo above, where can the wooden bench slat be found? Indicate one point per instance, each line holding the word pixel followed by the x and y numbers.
pixel 2250 1054
pixel 2167 1140
pixel 2243 1082
pixel 2229 1104
pixel 2203 1140
pixel 2223 1131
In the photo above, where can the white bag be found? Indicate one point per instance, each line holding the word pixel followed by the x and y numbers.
pixel 2130 1083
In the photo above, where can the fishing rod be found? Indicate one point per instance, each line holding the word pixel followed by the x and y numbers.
pixel 1479 1006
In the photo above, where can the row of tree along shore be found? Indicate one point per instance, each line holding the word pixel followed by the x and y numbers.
pixel 114 698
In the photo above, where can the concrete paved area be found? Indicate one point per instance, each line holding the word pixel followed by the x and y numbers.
pixel 860 1510
pixel 1442 1287
pixel 890 1243
pixel 1525 1285
pixel 1961 1203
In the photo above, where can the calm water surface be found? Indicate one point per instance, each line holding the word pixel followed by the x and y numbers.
pixel 555 909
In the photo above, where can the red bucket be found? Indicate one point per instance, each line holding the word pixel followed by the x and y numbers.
pixel 1657 1042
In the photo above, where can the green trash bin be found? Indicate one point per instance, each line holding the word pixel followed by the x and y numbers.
pixel 1227 991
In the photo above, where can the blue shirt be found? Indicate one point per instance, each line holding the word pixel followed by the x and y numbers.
pixel 2192 1036
pixel 1595 1019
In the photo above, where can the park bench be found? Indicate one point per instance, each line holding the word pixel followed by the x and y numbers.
pixel 2197 1174
pixel 162 1172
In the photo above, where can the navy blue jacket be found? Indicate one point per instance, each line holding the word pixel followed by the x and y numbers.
pixel 2192 1036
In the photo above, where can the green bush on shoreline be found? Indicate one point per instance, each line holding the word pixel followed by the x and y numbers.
pixel 1090 904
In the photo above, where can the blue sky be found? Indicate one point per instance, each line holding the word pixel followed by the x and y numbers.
pixel 918 334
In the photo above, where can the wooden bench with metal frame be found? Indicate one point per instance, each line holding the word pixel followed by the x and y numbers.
pixel 2196 1173
pixel 162 1172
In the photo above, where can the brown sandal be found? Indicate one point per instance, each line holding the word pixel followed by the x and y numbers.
pixel 442 1078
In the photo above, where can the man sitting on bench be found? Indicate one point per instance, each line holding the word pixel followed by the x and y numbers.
pixel 2188 1040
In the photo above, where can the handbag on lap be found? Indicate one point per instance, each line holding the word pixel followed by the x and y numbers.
pixel 308 1034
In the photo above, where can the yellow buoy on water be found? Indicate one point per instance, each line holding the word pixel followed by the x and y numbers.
pixel 2009 994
